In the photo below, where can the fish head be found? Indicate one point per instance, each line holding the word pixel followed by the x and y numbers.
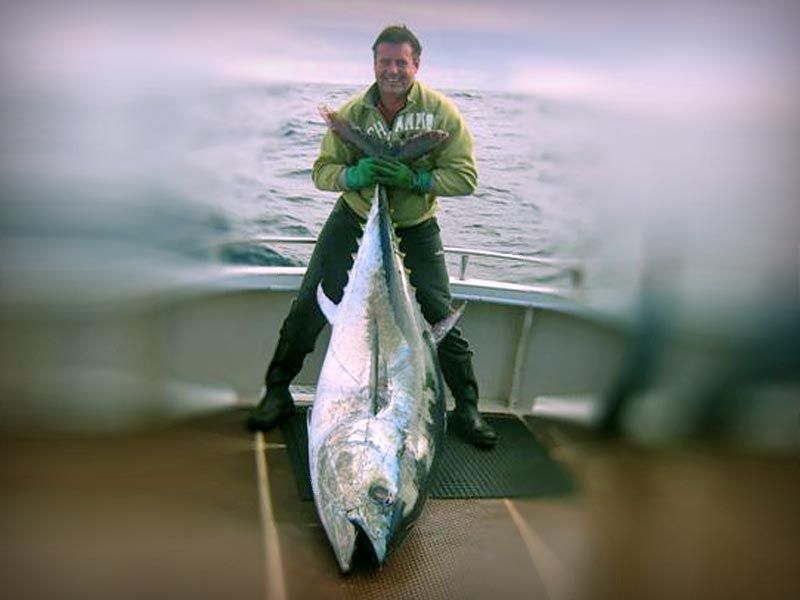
pixel 358 501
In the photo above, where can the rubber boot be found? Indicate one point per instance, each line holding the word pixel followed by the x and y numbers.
pixel 468 423
pixel 465 420
pixel 276 404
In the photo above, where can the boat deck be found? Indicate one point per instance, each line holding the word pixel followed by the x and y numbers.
pixel 203 509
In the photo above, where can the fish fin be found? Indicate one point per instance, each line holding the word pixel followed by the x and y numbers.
pixel 351 134
pixel 373 368
pixel 326 305
pixel 377 375
pixel 378 393
pixel 326 113
pixel 440 329
pixel 419 144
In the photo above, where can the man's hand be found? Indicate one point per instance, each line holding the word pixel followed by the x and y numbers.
pixel 362 175
pixel 396 174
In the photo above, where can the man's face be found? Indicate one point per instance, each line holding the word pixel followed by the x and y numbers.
pixel 395 68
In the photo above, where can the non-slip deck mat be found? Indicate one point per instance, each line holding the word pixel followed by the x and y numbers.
pixel 519 465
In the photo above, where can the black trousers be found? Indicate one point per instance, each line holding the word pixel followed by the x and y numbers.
pixel 330 262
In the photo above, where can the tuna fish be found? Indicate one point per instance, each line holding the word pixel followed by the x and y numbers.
pixel 378 416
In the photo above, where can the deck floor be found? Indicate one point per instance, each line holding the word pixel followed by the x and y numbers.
pixel 196 511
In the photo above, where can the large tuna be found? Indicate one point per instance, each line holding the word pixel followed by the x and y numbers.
pixel 378 415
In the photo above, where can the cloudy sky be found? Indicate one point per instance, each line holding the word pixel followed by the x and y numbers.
pixel 685 55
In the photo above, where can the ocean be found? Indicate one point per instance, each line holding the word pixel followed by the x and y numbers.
pixel 258 145
pixel 202 173
pixel 160 179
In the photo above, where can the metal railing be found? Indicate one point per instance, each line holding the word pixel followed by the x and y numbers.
pixel 572 267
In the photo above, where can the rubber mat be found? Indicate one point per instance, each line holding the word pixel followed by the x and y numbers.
pixel 519 465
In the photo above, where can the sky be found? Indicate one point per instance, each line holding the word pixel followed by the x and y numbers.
pixel 712 56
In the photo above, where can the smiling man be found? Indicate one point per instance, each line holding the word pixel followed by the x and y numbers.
pixel 392 108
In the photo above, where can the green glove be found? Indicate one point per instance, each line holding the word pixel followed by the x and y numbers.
pixel 362 175
pixel 396 174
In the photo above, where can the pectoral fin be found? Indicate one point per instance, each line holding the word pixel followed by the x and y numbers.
pixel 326 305
pixel 440 329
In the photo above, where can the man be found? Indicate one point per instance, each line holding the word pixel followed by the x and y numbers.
pixel 395 106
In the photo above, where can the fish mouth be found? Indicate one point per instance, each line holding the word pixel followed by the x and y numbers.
pixel 371 546
pixel 345 544
pixel 368 551
pixel 368 546
pixel 355 546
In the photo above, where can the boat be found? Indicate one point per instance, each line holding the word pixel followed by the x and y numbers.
pixel 127 471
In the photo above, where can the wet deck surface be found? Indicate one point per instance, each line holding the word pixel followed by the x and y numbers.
pixel 189 511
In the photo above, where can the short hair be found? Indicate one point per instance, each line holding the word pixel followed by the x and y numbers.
pixel 398 34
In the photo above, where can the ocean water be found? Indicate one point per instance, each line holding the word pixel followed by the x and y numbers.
pixel 201 173
pixel 258 145
pixel 161 179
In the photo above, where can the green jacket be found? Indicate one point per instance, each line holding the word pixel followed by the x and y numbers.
pixel 452 164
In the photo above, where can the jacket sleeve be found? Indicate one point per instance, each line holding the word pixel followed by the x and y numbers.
pixel 334 158
pixel 455 173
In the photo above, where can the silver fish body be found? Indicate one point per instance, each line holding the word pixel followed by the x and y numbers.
pixel 378 416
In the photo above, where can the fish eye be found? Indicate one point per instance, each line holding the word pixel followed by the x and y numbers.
pixel 380 494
